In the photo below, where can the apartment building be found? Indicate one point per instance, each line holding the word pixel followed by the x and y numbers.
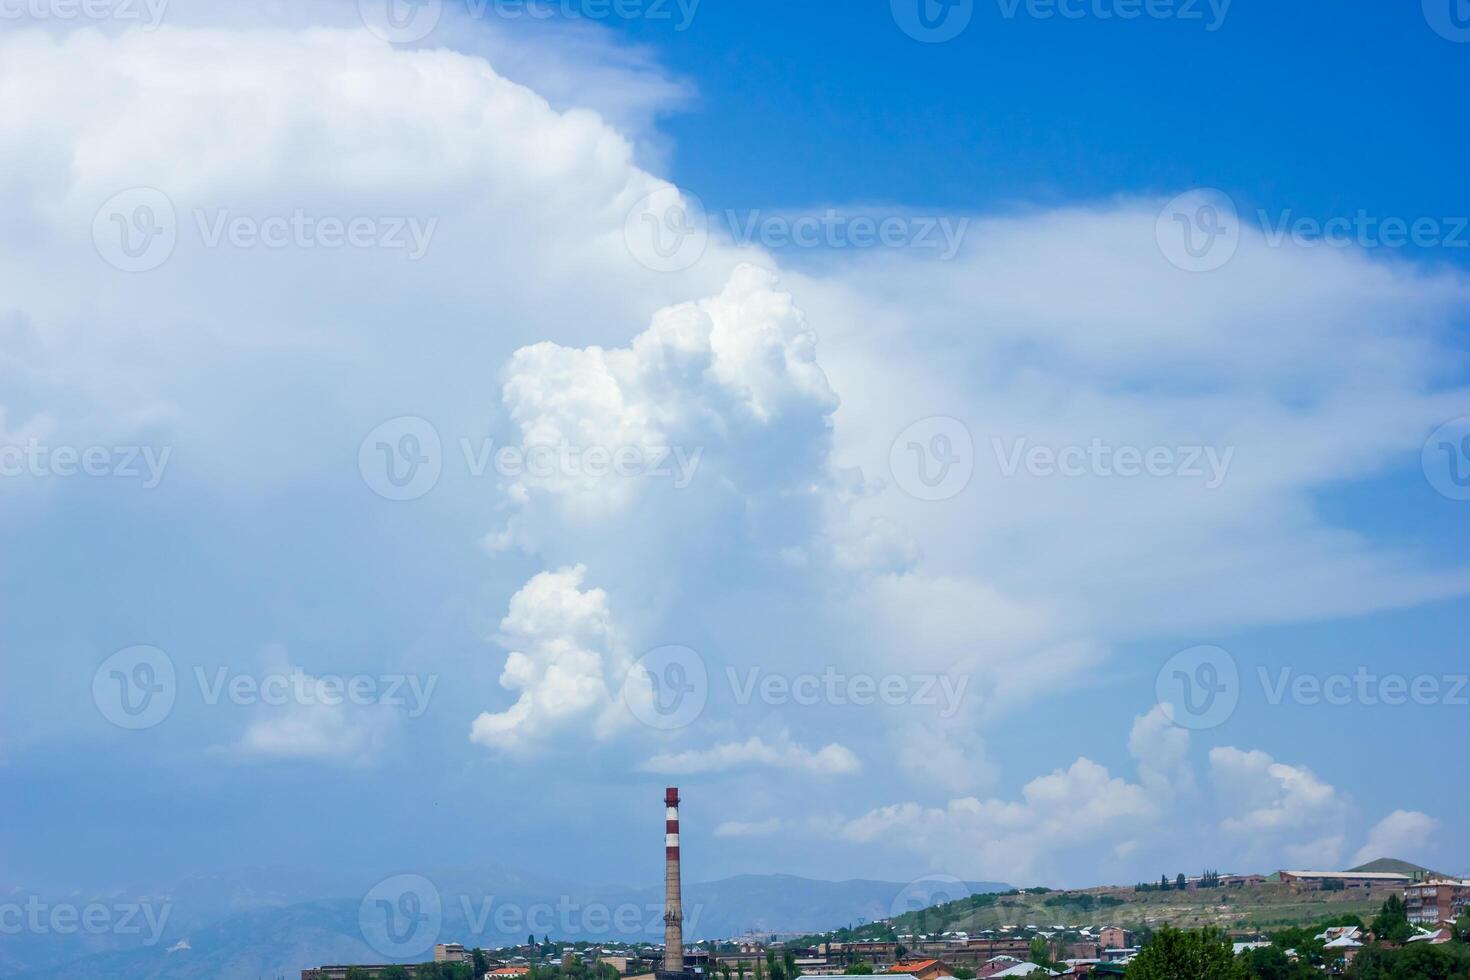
pixel 1436 900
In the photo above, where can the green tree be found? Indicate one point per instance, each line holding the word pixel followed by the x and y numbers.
pixel 479 961
pixel 1041 952
pixel 1272 963
pixel 1417 961
pixel 862 968
pixel 393 973
pixel 357 973
pixel 1391 924
pixel 1181 882
pixel 963 973
pixel 1163 883
pixel 1462 928
pixel 1203 954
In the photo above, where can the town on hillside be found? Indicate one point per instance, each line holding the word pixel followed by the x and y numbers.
pixel 1385 920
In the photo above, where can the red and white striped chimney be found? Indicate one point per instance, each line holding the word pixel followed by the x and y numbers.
pixel 673 900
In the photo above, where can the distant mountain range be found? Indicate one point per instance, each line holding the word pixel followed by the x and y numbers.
pixel 274 922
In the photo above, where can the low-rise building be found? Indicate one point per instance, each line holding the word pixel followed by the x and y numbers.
pixel 1345 947
pixel 923 969
pixel 1025 970
pixel 984 949
pixel 874 952
pixel 1312 880
pixel 451 953
pixel 1437 900
pixel 996 964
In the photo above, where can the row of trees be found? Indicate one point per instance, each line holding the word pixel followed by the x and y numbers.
pixel 774 967
pixel 1210 879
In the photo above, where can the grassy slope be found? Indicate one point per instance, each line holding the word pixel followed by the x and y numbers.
pixel 1249 907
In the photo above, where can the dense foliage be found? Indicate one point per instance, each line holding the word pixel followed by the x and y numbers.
pixel 1201 954
pixel 1416 961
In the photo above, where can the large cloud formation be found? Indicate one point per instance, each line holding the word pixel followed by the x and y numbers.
pixel 793 544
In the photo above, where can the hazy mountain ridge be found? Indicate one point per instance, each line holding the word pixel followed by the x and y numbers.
pixel 264 924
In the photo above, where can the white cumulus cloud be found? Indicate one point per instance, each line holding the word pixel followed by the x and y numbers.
pixel 561 642
pixel 1403 834
pixel 1279 808
pixel 829 760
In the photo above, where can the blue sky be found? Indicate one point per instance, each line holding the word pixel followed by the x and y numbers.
pixel 538 609
pixel 1022 111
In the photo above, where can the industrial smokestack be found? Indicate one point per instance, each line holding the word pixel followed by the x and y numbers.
pixel 673 900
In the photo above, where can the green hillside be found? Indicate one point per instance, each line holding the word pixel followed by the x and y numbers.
pixel 1247 907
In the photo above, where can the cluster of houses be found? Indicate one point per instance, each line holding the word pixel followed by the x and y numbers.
pixel 1003 952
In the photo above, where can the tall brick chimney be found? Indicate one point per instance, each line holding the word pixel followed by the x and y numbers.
pixel 673 900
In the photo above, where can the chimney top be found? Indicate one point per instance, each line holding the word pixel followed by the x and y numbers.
pixel 671 796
